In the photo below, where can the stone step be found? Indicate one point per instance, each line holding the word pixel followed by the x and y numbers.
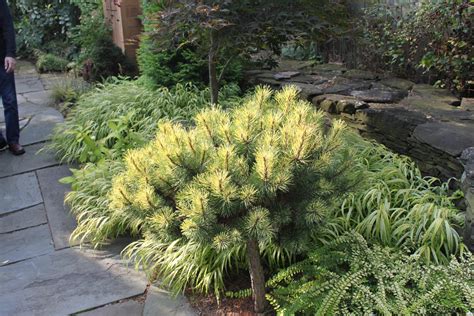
pixel 61 222
pixel 19 192
pixel 66 282
pixel 31 160
pixel 24 244
pixel 30 217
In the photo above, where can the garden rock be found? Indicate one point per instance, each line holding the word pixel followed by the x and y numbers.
pixel 398 83
pixel 346 87
pixel 336 104
pixel 467 104
pixel 378 95
pixel 449 137
pixel 286 75
pixel 307 91
pixel 309 79
pixel 467 185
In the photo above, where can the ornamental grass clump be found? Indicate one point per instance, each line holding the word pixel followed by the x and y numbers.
pixel 395 206
pixel 232 188
pixel 123 114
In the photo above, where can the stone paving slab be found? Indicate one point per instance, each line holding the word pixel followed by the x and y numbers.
pixel 61 222
pixel 24 244
pixel 28 109
pixel 39 98
pixel 22 219
pixel 31 160
pixel 41 126
pixel 127 308
pixel 19 192
pixel 28 84
pixel 160 303
pixel 65 282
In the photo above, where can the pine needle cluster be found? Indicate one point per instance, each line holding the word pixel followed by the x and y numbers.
pixel 347 277
pixel 267 171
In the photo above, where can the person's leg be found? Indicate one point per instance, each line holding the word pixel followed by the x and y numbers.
pixel 10 106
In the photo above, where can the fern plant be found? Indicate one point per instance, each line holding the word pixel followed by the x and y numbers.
pixel 347 277
pixel 257 177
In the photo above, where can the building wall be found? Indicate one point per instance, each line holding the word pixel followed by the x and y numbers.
pixel 125 23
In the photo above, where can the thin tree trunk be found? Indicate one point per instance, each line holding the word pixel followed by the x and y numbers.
pixel 213 82
pixel 256 276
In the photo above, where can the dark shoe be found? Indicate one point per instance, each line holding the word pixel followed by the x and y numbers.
pixel 16 149
pixel 3 143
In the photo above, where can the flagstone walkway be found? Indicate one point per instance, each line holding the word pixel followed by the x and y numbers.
pixel 40 272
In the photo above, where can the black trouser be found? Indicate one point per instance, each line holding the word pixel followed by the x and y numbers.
pixel 10 105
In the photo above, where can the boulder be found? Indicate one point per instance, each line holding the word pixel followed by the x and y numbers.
pixel 346 87
pixel 338 104
pixel 329 106
pixel 398 83
pixel 449 137
pixel 467 104
pixel 310 79
pixel 285 75
pixel 307 91
pixel 378 95
pixel 345 106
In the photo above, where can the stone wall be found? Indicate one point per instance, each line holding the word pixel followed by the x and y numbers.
pixel 427 124
pixel 467 181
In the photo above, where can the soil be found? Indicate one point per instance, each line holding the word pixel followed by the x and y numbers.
pixel 208 306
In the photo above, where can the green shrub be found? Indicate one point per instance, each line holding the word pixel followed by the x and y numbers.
pixel 41 23
pixel 257 177
pixel 123 114
pixel 347 277
pixel 69 90
pixel 99 58
pixel 403 43
pixel 101 195
pixel 394 205
pixel 51 63
pixel 187 63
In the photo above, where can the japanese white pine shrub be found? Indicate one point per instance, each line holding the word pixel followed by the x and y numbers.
pixel 260 176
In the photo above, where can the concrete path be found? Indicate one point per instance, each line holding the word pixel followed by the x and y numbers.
pixel 40 272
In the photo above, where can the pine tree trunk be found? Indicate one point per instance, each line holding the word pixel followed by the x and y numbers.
pixel 213 83
pixel 256 276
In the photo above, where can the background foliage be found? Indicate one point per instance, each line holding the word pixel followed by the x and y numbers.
pixel 439 53
pixel 44 25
